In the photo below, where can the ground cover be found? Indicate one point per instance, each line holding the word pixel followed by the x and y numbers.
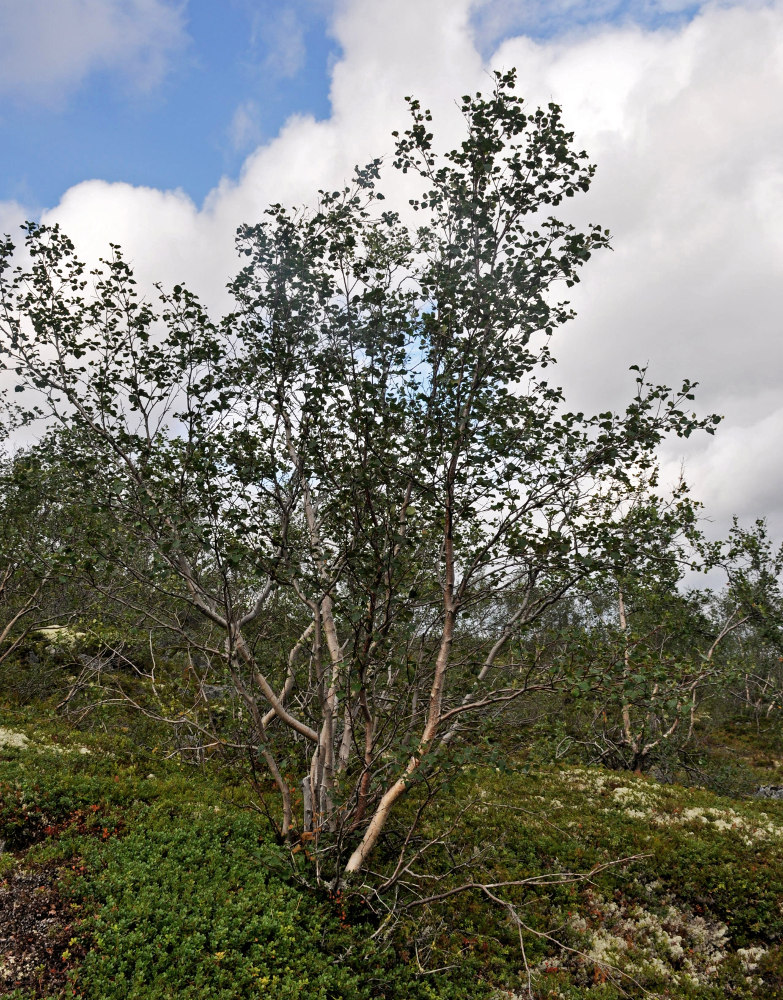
pixel 126 874
pixel 698 912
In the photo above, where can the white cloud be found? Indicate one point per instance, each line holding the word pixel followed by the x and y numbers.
pixel 741 473
pixel 244 129
pixel 47 48
pixel 282 36
pixel 687 130
pixel 162 233
pixel 12 215
pixel 686 125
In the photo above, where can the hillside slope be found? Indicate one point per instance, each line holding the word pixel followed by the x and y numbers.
pixel 125 874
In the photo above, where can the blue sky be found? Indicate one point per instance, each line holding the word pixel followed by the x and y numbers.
pixel 234 71
pixel 547 19
pixel 238 63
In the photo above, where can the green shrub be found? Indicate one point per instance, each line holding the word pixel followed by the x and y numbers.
pixel 201 907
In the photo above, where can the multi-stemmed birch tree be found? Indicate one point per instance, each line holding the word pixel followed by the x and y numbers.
pixel 359 486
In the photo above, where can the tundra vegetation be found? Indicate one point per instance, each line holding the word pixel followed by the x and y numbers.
pixel 397 634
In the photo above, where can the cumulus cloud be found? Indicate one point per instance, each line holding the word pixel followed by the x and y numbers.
pixel 686 125
pixel 49 48
pixel 687 129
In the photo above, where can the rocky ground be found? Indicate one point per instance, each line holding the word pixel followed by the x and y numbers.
pixel 37 946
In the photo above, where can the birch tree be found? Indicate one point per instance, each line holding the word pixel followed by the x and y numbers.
pixel 369 438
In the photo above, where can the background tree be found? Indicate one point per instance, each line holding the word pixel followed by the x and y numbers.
pixel 659 639
pixel 36 535
pixel 753 567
